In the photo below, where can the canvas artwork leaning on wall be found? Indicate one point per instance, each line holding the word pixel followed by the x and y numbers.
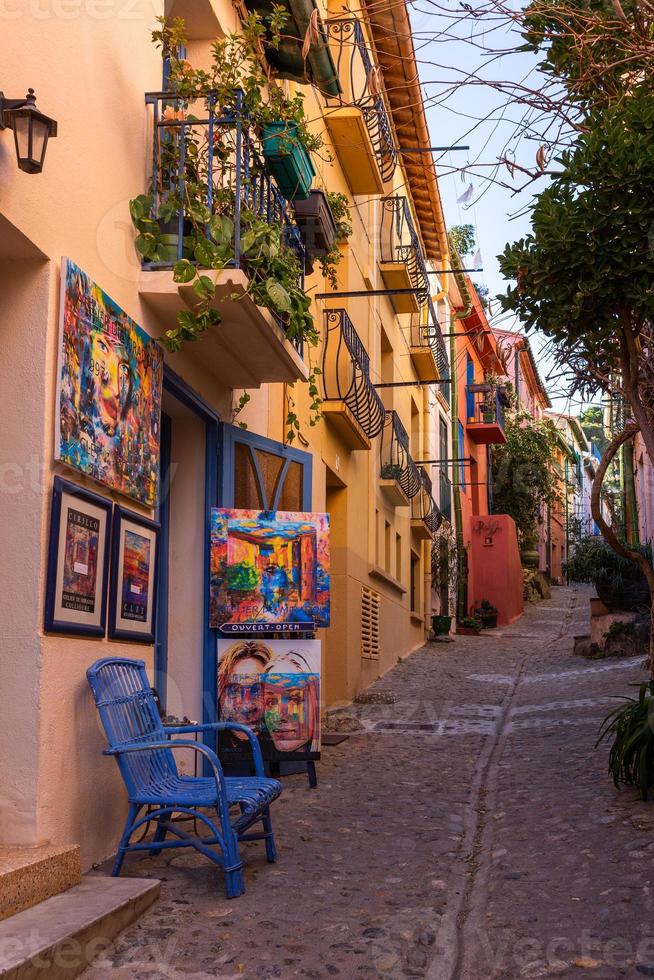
pixel 109 391
pixel 269 570
pixel 273 687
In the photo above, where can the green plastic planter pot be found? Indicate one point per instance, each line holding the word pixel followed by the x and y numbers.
pixel 441 625
pixel 287 160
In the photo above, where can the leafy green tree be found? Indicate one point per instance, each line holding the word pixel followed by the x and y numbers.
pixel 584 274
pixel 462 238
pixel 242 577
pixel 592 422
pixel 523 479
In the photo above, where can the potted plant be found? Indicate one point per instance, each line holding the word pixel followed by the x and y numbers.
pixel 314 217
pixel 287 159
pixel 469 626
pixel 441 625
pixel 620 583
pixel 529 551
pixel 391 471
pixel 631 758
pixel 487 613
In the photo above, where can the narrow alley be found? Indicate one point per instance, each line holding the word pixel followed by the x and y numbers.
pixel 469 830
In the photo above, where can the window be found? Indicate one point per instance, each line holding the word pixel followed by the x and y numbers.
pixel 415 582
pixel 398 557
pixel 470 380
pixel 259 474
pixel 387 547
pixel 377 541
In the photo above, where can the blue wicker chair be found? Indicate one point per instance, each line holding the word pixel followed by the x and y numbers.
pixel 144 751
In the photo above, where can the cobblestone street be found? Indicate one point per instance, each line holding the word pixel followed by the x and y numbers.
pixel 469 831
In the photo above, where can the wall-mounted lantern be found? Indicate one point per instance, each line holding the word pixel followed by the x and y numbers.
pixel 31 130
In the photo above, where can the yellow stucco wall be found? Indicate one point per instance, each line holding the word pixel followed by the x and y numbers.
pixel 90 64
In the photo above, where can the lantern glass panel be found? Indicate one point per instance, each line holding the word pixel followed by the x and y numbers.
pixel 21 127
pixel 39 140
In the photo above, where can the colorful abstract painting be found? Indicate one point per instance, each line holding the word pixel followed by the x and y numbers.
pixel 269 570
pixel 134 558
pixel 109 396
pixel 136 576
pixel 273 687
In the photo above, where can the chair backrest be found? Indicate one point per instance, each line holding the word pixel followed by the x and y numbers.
pixel 129 715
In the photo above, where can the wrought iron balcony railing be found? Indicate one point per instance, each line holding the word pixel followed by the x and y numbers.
pixel 425 332
pixel 346 373
pixel 360 81
pixel 211 147
pixel 423 505
pixel 399 242
pixel 485 404
pixel 396 462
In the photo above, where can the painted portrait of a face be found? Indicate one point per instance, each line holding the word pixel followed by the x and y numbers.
pixel 273 687
pixel 240 688
pixel 112 381
pixel 110 384
pixel 291 702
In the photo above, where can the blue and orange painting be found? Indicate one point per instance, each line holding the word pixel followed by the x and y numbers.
pixel 269 568
pixel 136 577
pixel 110 378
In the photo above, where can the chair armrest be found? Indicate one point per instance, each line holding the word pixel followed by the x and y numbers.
pixel 221 726
pixel 211 756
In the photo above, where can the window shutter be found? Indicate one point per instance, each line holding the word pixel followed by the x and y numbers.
pixel 370 603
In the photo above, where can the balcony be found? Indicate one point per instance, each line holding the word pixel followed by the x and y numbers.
pixel 358 121
pixel 485 414
pixel 351 404
pixel 426 518
pixel 402 264
pixel 399 477
pixel 426 344
pixel 286 54
pixel 199 142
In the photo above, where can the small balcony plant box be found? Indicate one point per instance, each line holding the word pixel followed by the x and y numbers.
pixel 288 160
pixel 315 220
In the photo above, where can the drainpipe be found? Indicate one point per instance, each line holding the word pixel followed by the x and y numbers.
pixel 462 566
pixel 630 505
pixel 565 485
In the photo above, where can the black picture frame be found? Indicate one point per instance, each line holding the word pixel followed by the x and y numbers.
pixel 137 631
pixel 62 612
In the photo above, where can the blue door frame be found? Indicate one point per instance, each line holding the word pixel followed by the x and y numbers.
pixel 175 386
pixel 220 445
pixel 229 436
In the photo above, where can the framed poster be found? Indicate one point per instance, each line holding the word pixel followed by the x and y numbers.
pixel 273 686
pixel 134 559
pixel 78 561
pixel 109 385
pixel 269 571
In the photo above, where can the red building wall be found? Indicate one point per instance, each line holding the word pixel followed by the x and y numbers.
pixel 494 569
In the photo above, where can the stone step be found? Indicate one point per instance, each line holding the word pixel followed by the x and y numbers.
pixel 29 875
pixel 59 937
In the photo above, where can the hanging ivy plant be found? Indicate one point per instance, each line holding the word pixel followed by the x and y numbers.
pixel 209 232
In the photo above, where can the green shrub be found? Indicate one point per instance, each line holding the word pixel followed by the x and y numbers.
pixel 595 561
pixel 630 726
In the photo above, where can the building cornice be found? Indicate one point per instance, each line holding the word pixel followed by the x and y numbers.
pixel 390 28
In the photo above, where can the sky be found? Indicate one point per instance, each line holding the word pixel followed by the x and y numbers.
pixel 447 49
